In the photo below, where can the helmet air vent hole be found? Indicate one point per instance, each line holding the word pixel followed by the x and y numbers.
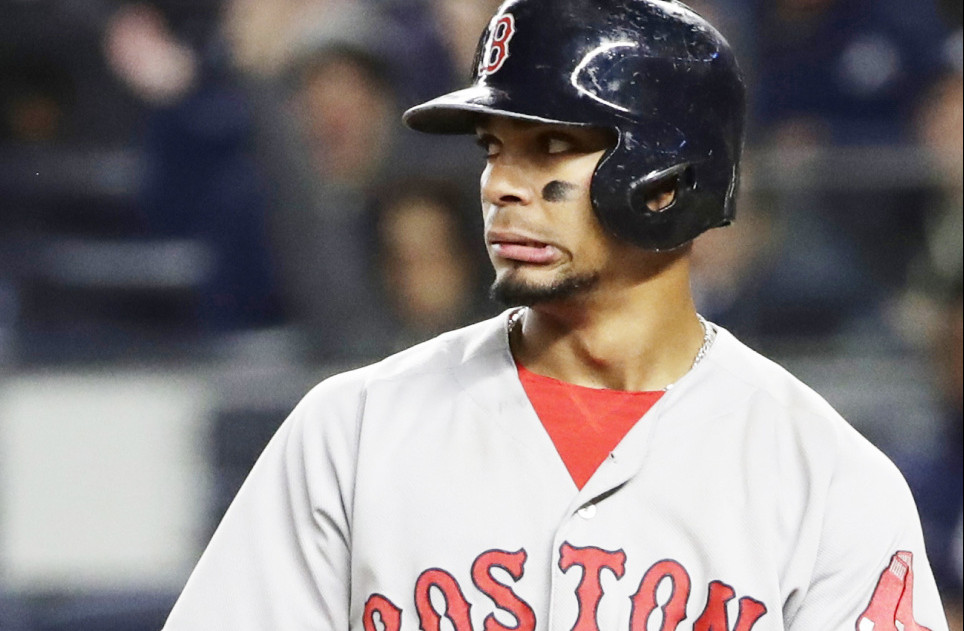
pixel 660 195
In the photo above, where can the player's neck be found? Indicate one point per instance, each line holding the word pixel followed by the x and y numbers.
pixel 638 337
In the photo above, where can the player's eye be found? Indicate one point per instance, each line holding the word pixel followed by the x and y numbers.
pixel 558 145
pixel 488 144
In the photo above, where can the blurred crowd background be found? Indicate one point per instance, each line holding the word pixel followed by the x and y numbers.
pixel 207 206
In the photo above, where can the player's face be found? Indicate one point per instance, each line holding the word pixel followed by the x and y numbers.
pixel 541 233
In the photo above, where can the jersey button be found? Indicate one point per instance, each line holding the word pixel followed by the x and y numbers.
pixel 587 512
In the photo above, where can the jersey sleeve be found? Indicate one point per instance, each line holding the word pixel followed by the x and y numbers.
pixel 871 572
pixel 280 557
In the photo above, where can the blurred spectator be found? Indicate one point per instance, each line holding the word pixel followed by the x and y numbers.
pixel 334 143
pixel 775 274
pixel 201 181
pixel 839 72
pixel 145 53
pixel 429 260
pixel 845 70
pixel 938 262
pixel 345 103
pixel 328 153
pixel 289 216
pixel 940 130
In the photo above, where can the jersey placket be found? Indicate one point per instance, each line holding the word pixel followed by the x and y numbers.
pixel 573 594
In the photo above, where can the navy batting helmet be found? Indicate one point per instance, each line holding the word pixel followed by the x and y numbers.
pixel 656 73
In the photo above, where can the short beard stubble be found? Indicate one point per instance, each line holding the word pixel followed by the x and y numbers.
pixel 513 292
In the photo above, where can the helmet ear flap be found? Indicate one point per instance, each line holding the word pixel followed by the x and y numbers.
pixel 660 211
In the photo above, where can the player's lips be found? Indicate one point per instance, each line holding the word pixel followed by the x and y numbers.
pixel 520 247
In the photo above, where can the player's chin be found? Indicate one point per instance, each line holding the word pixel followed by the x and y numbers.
pixel 515 288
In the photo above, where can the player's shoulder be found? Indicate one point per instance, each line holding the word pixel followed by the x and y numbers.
pixel 750 373
pixel 476 342
pixel 763 389
pixel 471 348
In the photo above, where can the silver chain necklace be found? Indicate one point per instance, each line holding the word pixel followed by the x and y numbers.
pixel 709 334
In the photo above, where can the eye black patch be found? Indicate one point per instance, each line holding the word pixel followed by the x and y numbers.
pixel 558 191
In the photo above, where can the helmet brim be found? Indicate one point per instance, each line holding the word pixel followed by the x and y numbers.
pixel 459 112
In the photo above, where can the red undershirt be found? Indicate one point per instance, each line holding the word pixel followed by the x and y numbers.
pixel 585 424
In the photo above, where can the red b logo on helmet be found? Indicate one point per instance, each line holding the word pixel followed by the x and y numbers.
pixel 497 47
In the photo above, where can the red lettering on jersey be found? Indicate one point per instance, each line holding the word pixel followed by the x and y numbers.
pixel 389 615
pixel 497 48
pixel 504 598
pixel 714 616
pixel 893 600
pixel 644 600
pixel 456 606
pixel 589 593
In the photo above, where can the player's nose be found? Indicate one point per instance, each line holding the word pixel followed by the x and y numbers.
pixel 505 182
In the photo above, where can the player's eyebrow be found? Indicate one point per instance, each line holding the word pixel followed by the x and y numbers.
pixel 588 141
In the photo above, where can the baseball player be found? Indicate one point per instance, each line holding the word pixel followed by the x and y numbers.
pixel 599 456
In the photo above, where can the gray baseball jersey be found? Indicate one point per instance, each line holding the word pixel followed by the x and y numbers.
pixel 422 492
